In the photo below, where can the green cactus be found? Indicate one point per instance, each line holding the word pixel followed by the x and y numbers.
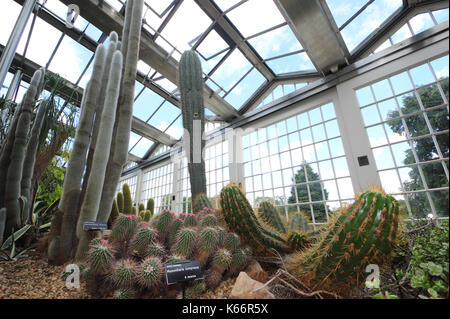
pixel 164 221
pixel 114 213
pixel 207 242
pixel 191 89
pixel 270 215
pixel 201 201
pixel 177 223
pixel 123 293
pixel 150 272
pixel 362 234
pixel 144 237
pixel 238 262
pixel 145 215
pixel 209 221
pixel 100 257
pixel 141 207
pixel 240 218
pixel 155 250
pixel 232 242
pixel 298 222
pixel 173 259
pixel 124 227
pixel 222 259
pixel 185 242
pixel 120 202
pixel 195 290
pixel 190 220
pixel 124 273
pixel 151 206
pixel 127 200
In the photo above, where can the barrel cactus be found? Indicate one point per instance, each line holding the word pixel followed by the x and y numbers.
pixel 133 260
pixel 361 234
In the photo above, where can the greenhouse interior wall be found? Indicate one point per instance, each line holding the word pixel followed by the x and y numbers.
pixel 335 108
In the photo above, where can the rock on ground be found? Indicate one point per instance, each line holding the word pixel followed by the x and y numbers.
pixel 245 287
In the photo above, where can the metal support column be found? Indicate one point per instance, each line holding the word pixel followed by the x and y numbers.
pixel 14 38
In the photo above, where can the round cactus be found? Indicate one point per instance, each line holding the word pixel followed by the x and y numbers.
pixel 232 242
pixel 100 257
pixel 207 242
pixel 213 278
pixel 238 261
pixel 150 272
pixel 124 273
pixel 155 250
pixel 123 294
pixel 222 259
pixel 124 227
pixel 143 238
pixel 222 235
pixel 200 202
pixel 185 242
pixel 209 220
pixel 196 289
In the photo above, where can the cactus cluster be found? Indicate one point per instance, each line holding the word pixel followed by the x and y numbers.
pixel 132 260
pixel 266 233
pixel 361 234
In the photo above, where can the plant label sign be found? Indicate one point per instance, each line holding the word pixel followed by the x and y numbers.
pixel 184 271
pixel 92 226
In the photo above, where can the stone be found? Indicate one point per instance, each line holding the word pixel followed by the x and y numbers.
pixel 245 286
pixel 255 271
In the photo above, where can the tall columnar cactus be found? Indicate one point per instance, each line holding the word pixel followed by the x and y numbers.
pixel 122 126
pixel 18 152
pixel 151 206
pixel 362 234
pixel 114 214
pixel 30 159
pixel 120 202
pixel 141 252
pixel 191 89
pixel 91 200
pixel 127 200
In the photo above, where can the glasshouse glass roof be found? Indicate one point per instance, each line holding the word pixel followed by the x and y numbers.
pixel 252 51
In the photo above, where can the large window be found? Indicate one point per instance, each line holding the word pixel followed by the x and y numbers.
pixel 299 163
pixel 406 118
pixel 157 184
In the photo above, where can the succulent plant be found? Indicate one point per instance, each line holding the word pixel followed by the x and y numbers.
pixel 185 242
pixel 124 273
pixel 120 202
pixel 150 272
pixel 141 207
pixel 100 257
pixel 144 237
pixel 190 220
pixel 361 234
pixel 151 206
pixel 123 293
pixel 200 202
pixel 124 227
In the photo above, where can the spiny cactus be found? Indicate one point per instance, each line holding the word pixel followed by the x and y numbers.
pixel 100 257
pixel 201 201
pixel 120 202
pixel 143 238
pixel 124 227
pixel 271 216
pixel 145 215
pixel 141 252
pixel 191 89
pixel 150 272
pixel 240 218
pixel 190 220
pixel 298 222
pixel 185 242
pixel 123 293
pixel 195 290
pixel 124 273
pixel 141 207
pixel 209 220
pixel 362 234
pixel 127 200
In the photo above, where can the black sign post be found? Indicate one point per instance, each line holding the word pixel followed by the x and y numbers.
pixel 95 226
pixel 183 272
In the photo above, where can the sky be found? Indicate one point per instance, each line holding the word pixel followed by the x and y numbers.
pixel 71 58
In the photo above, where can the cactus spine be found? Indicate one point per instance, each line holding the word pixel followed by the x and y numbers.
pixel 200 202
pixel 364 233
pixel 271 216
pixel 191 88
pixel 120 202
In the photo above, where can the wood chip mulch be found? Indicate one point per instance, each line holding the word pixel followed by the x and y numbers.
pixel 33 278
